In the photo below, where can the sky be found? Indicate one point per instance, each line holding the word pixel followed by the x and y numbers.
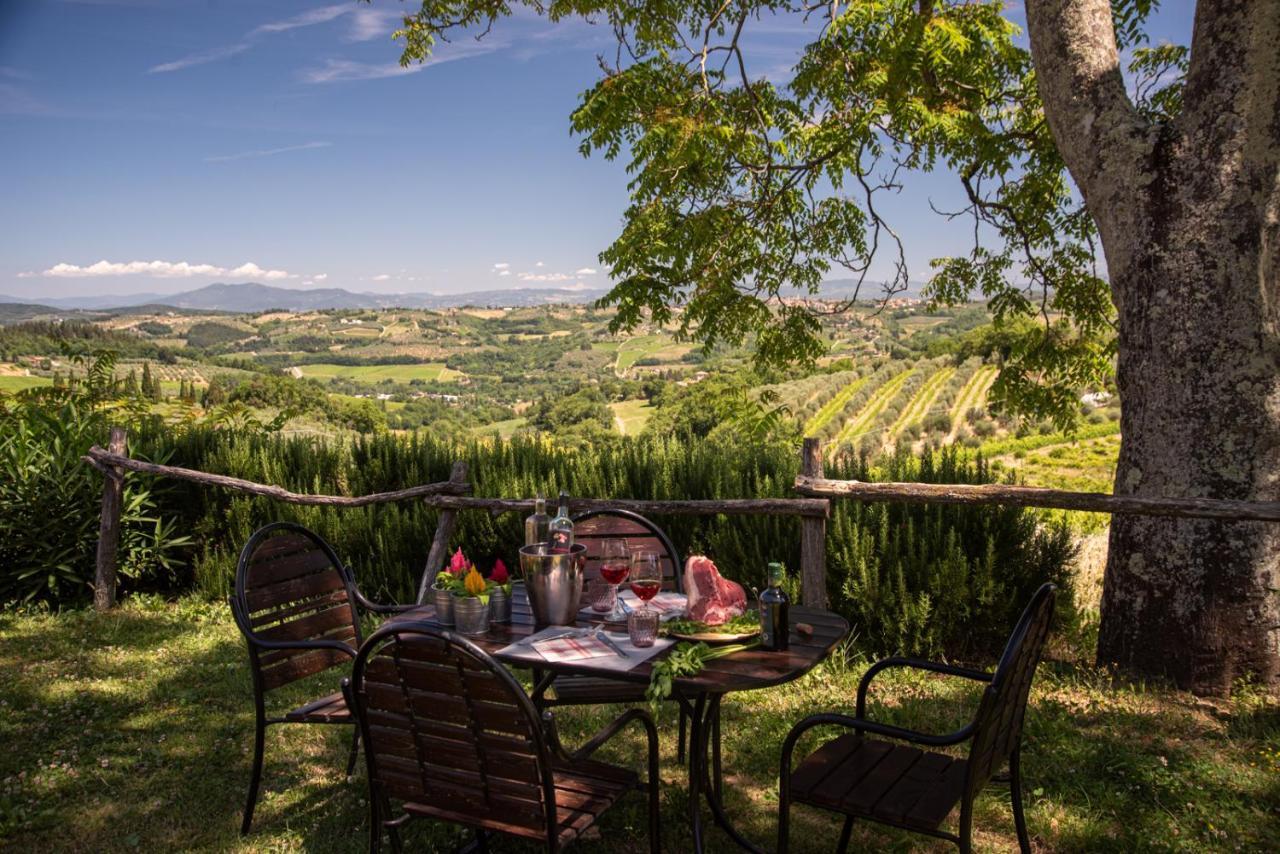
pixel 155 146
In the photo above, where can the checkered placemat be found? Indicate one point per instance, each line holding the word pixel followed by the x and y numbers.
pixel 572 648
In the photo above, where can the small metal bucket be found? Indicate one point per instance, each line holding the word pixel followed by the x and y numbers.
pixel 499 606
pixel 443 600
pixel 553 582
pixel 471 615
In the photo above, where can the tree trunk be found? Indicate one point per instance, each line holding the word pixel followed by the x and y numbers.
pixel 1199 380
pixel 1189 215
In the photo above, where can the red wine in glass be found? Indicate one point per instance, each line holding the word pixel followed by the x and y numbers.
pixel 614 573
pixel 645 590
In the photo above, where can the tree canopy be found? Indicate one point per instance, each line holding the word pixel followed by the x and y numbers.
pixel 748 189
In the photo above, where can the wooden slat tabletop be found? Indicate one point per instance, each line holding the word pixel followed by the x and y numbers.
pixel 742 671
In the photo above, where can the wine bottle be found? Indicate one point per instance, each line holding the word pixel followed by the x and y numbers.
pixel 537 528
pixel 775 621
pixel 561 528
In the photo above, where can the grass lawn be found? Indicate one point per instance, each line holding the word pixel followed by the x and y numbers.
pixel 630 416
pixel 505 428
pixel 12 383
pixel 377 373
pixel 132 730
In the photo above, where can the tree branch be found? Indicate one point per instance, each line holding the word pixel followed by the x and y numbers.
pixel 1104 141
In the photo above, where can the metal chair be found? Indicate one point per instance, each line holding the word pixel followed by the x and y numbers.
pixel 295 603
pixel 903 786
pixel 451 735
pixel 592 529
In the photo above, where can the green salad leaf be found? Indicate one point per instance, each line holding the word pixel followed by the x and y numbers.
pixel 748 622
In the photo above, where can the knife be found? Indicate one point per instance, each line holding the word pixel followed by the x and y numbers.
pixel 608 641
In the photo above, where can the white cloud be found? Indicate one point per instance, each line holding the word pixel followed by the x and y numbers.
pixel 539 264
pixel 368 24
pixel 501 265
pixel 322 15
pixel 381 277
pixel 335 70
pixel 269 152
pixel 200 58
pixel 505 273
pixel 585 271
pixel 306 19
pixel 545 277
pixel 320 277
pixel 162 270
pixel 338 70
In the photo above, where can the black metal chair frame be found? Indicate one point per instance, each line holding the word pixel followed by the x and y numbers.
pixel 1035 617
pixel 257 645
pixel 547 745
pixel 543 683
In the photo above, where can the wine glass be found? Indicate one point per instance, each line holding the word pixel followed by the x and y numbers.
pixel 646 576
pixel 613 569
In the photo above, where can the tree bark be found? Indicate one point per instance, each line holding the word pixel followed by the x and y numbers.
pixel 1188 217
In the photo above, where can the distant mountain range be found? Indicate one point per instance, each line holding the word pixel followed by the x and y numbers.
pixel 253 297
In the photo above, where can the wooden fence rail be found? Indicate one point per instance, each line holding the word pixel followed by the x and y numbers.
pixel 813 510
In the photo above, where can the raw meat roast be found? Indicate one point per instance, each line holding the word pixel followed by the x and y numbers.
pixel 713 599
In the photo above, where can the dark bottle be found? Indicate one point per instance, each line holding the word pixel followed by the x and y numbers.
pixel 561 528
pixel 775 605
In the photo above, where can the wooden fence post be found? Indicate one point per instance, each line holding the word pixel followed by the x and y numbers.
pixel 444 532
pixel 104 581
pixel 813 536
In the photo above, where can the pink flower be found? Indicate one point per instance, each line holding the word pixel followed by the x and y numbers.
pixel 499 574
pixel 458 563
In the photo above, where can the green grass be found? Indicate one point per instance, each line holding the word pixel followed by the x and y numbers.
pixel 634 349
pixel 132 731
pixel 916 408
pixel 11 383
pixel 505 428
pixel 630 416
pixel 854 427
pixel 377 373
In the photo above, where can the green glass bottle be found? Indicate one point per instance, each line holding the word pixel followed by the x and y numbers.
pixel 775 620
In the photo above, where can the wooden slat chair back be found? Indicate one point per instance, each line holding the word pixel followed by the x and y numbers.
pixel 593 528
pixel 291 587
pixel 451 735
pixel 998 722
pixel 295 603
pixel 914 787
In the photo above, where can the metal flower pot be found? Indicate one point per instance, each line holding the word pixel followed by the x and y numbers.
pixel 499 606
pixel 443 600
pixel 471 614
pixel 553 582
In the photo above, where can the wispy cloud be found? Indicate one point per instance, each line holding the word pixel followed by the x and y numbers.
pixel 335 70
pixel 306 19
pixel 501 265
pixel 269 152
pixel 368 24
pixel 163 270
pixel 11 73
pixel 311 18
pixel 201 58
pixel 382 277
pixel 585 271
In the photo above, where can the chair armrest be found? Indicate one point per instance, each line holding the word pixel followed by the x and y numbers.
pixel 862 725
pixel 378 607
pixel 915 664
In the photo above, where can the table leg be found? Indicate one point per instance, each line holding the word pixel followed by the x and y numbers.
pixel 703 758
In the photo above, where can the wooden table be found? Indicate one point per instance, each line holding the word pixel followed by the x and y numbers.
pixel 700 695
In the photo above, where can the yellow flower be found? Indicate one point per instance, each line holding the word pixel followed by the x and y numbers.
pixel 474 582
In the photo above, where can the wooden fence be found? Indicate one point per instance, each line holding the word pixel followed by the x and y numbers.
pixel 813 509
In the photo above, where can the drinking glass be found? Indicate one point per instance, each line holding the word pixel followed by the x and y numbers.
pixel 613 569
pixel 646 577
pixel 642 627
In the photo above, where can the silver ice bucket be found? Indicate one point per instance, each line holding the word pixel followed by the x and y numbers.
pixel 553 582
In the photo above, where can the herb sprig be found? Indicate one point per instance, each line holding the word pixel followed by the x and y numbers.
pixel 685 659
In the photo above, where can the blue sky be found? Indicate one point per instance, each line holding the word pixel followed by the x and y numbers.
pixel 184 142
